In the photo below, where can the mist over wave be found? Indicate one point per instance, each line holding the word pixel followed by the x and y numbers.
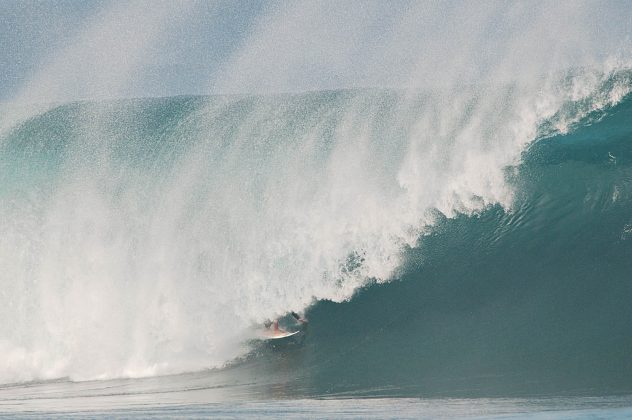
pixel 144 237
pixel 150 236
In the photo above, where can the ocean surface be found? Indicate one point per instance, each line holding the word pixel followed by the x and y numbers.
pixel 463 252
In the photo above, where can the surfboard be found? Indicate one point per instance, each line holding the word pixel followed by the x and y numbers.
pixel 279 335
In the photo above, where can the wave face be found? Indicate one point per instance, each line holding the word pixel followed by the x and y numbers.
pixel 528 300
pixel 146 237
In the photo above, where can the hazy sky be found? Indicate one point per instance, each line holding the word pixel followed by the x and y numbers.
pixel 77 49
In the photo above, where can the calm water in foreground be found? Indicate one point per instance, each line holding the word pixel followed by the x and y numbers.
pixel 154 399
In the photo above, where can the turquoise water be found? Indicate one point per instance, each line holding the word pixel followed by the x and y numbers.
pixel 144 242
pixel 443 189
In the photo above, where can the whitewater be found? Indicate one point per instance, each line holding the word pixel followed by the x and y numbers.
pixel 458 226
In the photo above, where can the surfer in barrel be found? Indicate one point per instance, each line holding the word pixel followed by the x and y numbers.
pixel 298 317
pixel 274 325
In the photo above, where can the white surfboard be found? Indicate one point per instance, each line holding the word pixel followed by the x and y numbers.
pixel 279 334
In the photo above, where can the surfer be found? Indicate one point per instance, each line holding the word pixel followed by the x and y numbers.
pixel 298 317
pixel 275 324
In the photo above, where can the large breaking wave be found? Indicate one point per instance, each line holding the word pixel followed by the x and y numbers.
pixel 150 236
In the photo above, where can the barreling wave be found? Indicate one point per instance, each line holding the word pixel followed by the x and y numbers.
pixel 531 300
pixel 144 237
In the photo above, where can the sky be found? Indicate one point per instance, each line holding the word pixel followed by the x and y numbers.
pixel 84 49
